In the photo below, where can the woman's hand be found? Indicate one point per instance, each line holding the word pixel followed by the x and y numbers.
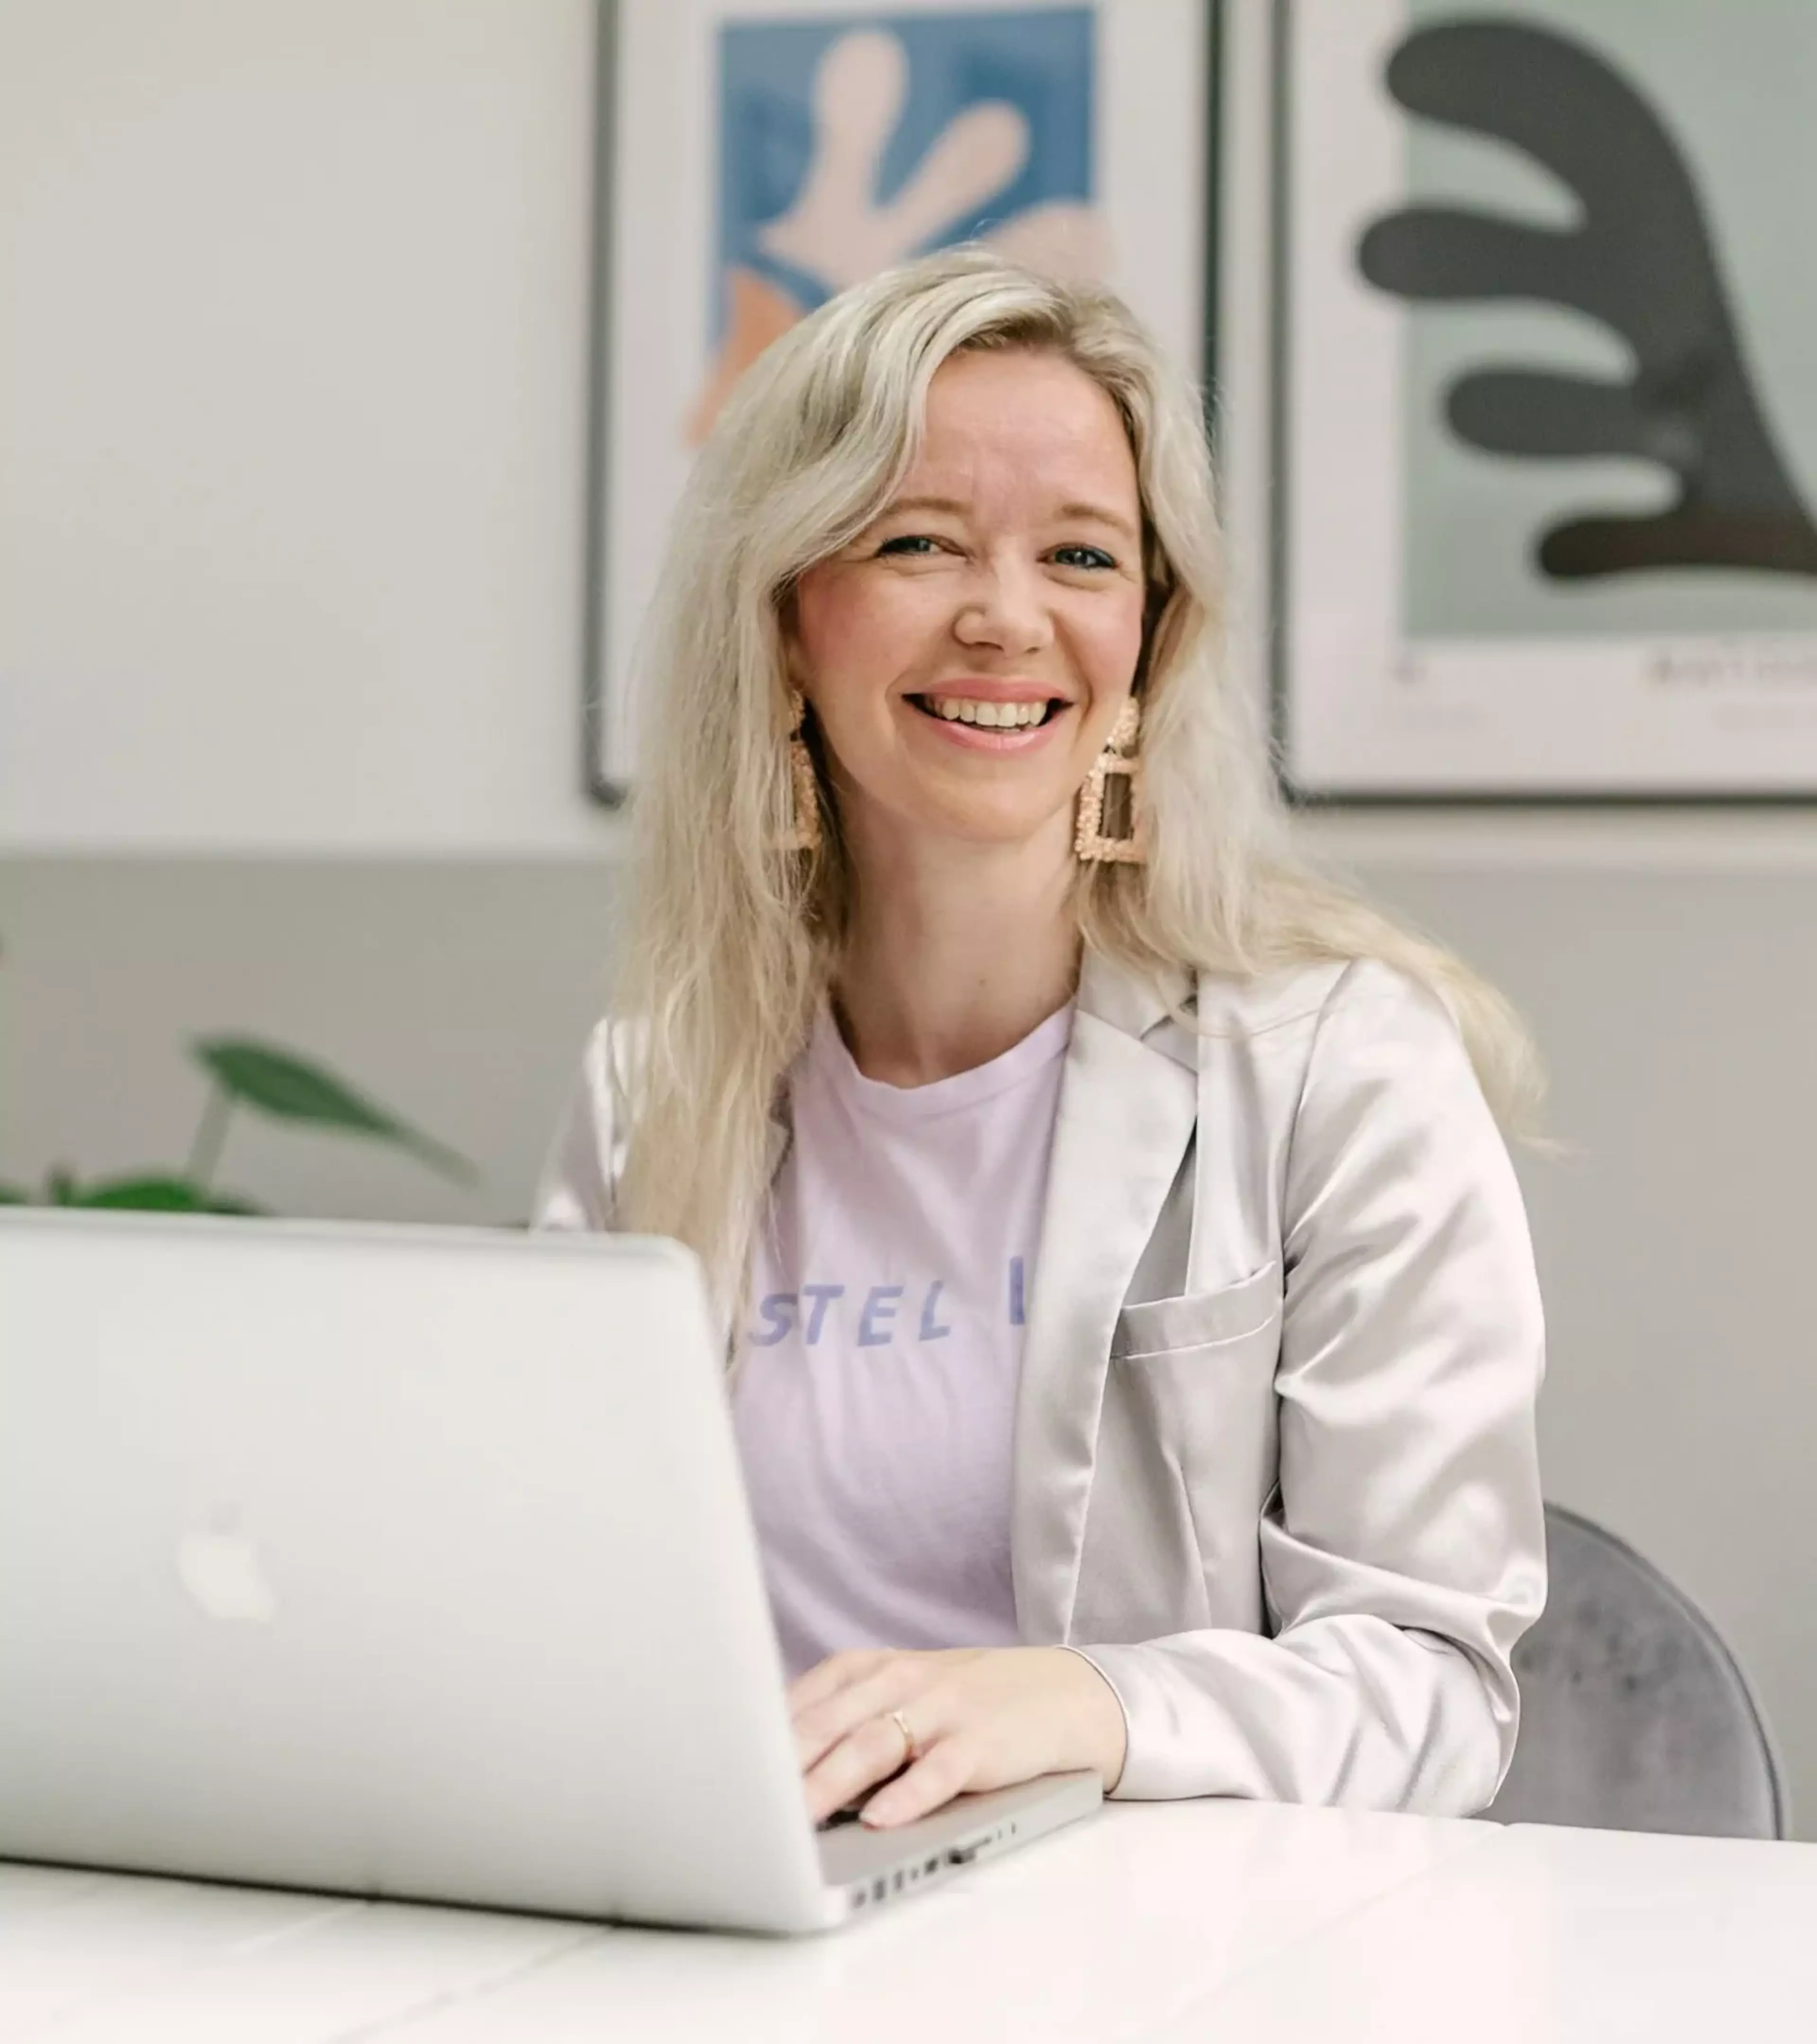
pixel 980 1717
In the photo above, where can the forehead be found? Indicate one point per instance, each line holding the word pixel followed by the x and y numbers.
pixel 1012 426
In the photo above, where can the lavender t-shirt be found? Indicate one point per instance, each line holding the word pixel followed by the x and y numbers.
pixel 875 1396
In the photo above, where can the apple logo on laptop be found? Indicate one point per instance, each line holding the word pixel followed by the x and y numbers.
pixel 220 1570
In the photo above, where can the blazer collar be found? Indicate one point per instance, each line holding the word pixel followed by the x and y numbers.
pixel 1115 995
pixel 1126 1114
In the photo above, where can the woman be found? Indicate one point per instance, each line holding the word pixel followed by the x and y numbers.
pixel 1133 1323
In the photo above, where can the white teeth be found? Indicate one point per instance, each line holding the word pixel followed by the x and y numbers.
pixel 992 716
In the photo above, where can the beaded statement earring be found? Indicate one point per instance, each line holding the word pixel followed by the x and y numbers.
pixel 804 830
pixel 1111 823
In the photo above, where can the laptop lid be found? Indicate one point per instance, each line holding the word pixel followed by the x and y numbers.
pixel 399 1560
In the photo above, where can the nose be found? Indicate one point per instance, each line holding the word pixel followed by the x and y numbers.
pixel 1005 608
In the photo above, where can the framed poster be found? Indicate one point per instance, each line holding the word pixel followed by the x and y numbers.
pixel 1546 400
pixel 757 156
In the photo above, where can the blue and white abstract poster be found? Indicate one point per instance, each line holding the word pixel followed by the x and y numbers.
pixel 851 144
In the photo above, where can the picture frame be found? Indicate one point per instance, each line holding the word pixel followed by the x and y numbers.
pixel 1545 410
pixel 755 156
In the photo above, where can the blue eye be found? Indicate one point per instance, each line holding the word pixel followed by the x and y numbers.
pixel 908 543
pixel 1094 557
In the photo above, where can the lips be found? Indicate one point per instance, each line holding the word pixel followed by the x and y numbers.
pixel 997 739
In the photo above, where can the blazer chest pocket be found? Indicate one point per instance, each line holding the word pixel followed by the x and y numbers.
pixel 1192 1380
pixel 1234 1316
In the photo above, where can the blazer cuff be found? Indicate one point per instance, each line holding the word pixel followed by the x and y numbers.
pixel 1350 1711
pixel 1162 1719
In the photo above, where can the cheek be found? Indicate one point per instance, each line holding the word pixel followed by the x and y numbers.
pixel 849 628
pixel 1108 636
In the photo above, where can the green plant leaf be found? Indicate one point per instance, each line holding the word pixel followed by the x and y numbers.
pixel 14 1195
pixel 293 1088
pixel 154 1193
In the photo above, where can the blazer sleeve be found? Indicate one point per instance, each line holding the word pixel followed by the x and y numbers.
pixel 1403 1550
pixel 575 1190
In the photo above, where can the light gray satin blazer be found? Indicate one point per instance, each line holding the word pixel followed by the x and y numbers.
pixel 1274 1470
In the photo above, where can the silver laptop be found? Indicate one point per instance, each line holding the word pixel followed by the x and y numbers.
pixel 404 1561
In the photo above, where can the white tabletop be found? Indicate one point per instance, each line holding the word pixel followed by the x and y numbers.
pixel 1290 1924
pixel 1560 1937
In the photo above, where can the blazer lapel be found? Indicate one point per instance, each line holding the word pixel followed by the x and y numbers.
pixel 1126 1113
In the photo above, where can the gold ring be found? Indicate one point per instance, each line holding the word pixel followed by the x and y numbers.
pixel 901 1724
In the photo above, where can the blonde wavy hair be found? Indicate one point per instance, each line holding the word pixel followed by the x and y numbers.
pixel 730 944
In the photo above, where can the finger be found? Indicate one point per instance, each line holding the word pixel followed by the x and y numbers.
pixel 870 1754
pixel 895 1685
pixel 940 1774
pixel 827 1677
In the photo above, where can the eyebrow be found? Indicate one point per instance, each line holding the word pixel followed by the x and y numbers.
pixel 950 505
pixel 1076 508
pixel 1114 519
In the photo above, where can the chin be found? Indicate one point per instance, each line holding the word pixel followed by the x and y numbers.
pixel 991 828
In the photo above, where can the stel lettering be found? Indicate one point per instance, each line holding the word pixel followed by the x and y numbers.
pixel 874 1316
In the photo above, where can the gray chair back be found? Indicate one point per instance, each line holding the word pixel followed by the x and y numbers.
pixel 1634 1715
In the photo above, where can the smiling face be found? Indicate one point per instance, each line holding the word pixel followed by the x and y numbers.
pixel 967 654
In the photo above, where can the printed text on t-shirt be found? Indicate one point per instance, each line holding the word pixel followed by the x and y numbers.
pixel 877 1313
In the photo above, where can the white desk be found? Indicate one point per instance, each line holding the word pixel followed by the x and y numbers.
pixel 1560 1937
pixel 1163 1922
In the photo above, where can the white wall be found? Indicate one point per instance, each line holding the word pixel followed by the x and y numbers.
pixel 292 338
pixel 292 408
